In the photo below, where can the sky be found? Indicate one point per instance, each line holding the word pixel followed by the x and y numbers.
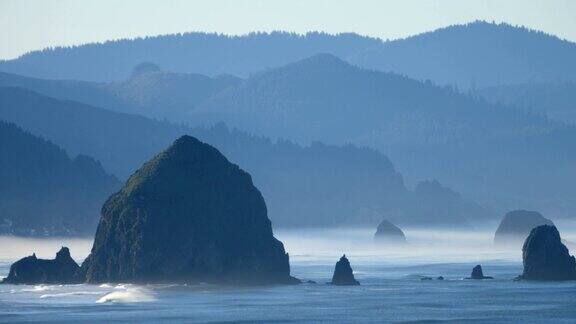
pixel 27 25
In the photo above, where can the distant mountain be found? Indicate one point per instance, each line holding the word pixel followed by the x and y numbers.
pixel 316 185
pixel 120 141
pixel 434 200
pixel 475 55
pixel 208 54
pixel 148 91
pixel 322 184
pixel 429 131
pixel 162 94
pixel 43 191
pixel 555 99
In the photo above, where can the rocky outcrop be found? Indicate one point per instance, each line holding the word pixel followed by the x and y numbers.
pixel 188 215
pixel 343 274
pixel 389 233
pixel 31 270
pixel 477 273
pixel 516 225
pixel 545 257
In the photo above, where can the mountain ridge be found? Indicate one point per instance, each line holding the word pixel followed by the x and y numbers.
pixel 437 55
pixel 340 185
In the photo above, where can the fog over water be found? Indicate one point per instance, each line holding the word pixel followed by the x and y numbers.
pixel 424 245
pixel 14 248
pixel 323 244
pixel 391 288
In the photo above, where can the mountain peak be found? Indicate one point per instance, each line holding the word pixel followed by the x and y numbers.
pixel 185 140
pixel 186 155
pixel 321 60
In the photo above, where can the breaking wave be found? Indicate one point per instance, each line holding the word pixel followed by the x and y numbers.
pixel 131 295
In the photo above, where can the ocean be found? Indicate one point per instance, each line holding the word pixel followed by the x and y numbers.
pixel 391 290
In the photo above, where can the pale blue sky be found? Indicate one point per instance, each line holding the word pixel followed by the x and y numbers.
pixel 34 24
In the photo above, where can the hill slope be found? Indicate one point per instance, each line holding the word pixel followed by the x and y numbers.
pixel 208 54
pixel 555 99
pixel 478 54
pixel 43 191
pixel 475 55
pixel 317 185
pixel 428 130
pixel 153 93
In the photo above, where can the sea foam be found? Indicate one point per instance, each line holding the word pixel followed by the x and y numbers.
pixel 131 295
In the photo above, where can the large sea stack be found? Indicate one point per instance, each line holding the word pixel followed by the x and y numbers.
pixel 188 215
pixel 545 257
pixel 31 270
pixel 516 225
pixel 388 233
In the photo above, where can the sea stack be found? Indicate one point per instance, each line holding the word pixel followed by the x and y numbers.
pixel 31 270
pixel 343 274
pixel 477 273
pixel 516 226
pixel 388 233
pixel 187 215
pixel 545 257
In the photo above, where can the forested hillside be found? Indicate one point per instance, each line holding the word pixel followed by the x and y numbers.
pixel 45 192
pixel 336 184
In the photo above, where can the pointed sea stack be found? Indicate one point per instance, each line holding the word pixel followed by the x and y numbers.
pixel 477 273
pixel 188 215
pixel 388 233
pixel 343 275
pixel 31 270
pixel 545 257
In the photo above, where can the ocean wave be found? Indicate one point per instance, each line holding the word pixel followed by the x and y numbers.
pixel 122 286
pixel 131 295
pixel 75 293
pixel 39 288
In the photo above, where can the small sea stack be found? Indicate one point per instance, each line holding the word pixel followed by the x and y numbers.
pixel 545 257
pixel 477 273
pixel 516 226
pixel 31 270
pixel 388 233
pixel 343 274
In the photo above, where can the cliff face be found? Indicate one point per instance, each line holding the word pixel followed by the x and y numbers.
pixel 545 257
pixel 187 215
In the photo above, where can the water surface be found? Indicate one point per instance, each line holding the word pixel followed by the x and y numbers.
pixel 391 287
